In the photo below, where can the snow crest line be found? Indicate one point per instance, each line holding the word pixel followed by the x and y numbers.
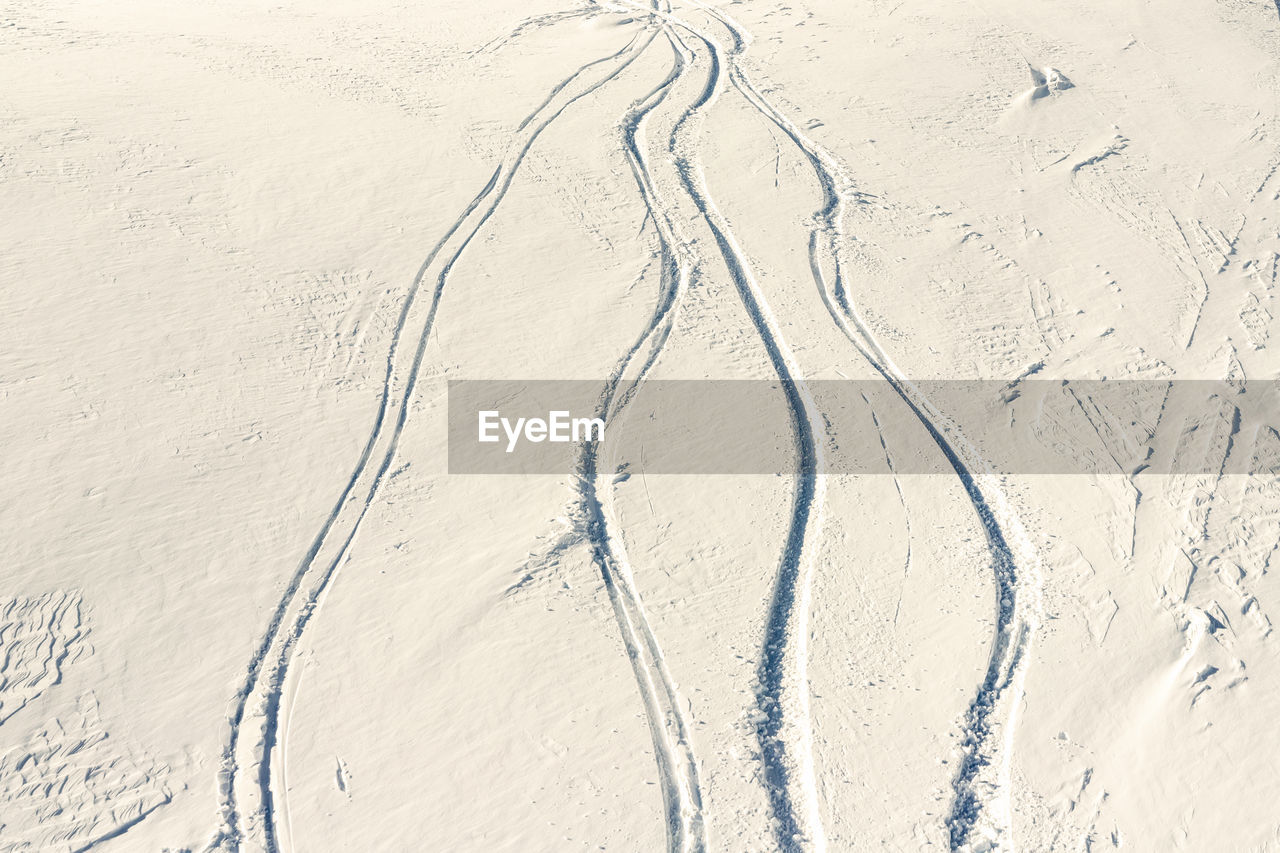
pixel 981 813
pixel 249 785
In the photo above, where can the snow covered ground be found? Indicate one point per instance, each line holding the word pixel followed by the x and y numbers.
pixel 245 606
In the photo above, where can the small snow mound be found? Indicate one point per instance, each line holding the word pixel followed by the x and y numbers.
pixel 1056 80
pixel 1048 80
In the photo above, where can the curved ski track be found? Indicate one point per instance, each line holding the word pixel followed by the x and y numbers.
pixel 981 803
pixel 785 733
pixel 981 786
pixel 669 728
pixel 247 780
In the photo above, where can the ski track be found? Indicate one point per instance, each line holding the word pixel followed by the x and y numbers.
pixel 785 733
pixel 981 815
pixel 249 798
pixel 536 22
pixel 981 809
pixel 902 501
pixel 669 727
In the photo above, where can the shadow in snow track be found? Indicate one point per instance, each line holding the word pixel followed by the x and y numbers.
pixel 981 786
pixel 785 733
pixel 669 728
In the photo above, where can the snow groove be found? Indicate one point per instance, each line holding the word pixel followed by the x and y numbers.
pixel 249 778
pixel 673 751
pixel 70 785
pixel 785 732
pixel 252 783
pixel 980 817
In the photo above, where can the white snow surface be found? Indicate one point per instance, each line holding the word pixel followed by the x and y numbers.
pixel 245 607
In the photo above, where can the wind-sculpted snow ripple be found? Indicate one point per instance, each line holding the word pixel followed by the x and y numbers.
pixel 38 637
pixel 70 786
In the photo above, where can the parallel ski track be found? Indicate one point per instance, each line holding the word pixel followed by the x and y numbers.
pixel 248 809
pixel 668 725
pixel 785 733
pixel 980 803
